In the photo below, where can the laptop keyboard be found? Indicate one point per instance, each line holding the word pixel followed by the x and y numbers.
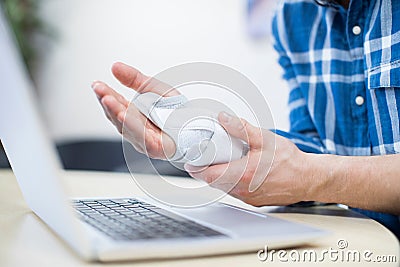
pixel 131 219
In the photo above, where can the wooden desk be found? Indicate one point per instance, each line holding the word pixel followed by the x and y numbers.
pixel 26 241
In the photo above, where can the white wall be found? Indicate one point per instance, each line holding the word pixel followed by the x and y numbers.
pixel 151 35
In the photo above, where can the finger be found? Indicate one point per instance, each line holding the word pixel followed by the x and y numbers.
pixel 168 146
pixel 147 137
pixel 113 109
pixel 106 112
pixel 141 83
pixel 113 106
pixel 242 129
pixel 222 176
pixel 101 89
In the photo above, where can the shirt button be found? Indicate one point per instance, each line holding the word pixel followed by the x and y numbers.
pixel 359 100
pixel 356 30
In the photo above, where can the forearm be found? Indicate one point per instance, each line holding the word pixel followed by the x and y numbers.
pixel 371 183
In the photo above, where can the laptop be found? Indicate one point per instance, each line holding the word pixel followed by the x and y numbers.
pixel 125 228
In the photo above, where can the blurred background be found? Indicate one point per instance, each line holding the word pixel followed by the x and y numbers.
pixel 68 44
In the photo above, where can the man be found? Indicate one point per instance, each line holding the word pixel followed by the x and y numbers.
pixel 342 63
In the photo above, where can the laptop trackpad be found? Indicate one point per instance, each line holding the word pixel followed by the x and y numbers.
pixel 240 222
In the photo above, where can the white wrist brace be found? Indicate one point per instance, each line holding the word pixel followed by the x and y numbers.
pixel 199 138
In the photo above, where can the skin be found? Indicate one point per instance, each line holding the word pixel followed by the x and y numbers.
pixel 371 183
pixel 155 144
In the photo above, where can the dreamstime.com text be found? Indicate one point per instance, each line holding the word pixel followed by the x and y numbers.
pixel 340 253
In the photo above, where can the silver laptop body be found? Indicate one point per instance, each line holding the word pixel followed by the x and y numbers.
pixel 37 169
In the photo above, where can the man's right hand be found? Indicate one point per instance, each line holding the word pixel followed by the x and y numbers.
pixel 135 127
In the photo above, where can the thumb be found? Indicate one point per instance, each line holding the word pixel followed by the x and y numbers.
pixel 242 129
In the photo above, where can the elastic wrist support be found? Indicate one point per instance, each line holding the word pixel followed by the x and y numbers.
pixel 199 138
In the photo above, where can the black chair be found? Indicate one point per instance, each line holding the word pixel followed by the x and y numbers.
pixel 108 156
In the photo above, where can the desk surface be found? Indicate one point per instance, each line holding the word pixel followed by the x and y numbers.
pixel 26 241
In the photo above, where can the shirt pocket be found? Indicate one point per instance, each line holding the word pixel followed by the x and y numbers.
pixel 384 76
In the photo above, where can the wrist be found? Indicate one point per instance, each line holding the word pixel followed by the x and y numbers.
pixel 324 181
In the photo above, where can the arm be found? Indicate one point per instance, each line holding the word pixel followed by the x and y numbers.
pixel 276 172
pixel 356 181
pixel 371 183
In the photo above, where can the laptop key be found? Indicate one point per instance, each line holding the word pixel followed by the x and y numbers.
pixel 131 219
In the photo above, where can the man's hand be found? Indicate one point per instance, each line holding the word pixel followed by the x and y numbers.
pixel 290 175
pixel 272 173
pixel 136 128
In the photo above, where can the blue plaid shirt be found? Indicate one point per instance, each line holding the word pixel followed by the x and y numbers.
pixel 343 70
